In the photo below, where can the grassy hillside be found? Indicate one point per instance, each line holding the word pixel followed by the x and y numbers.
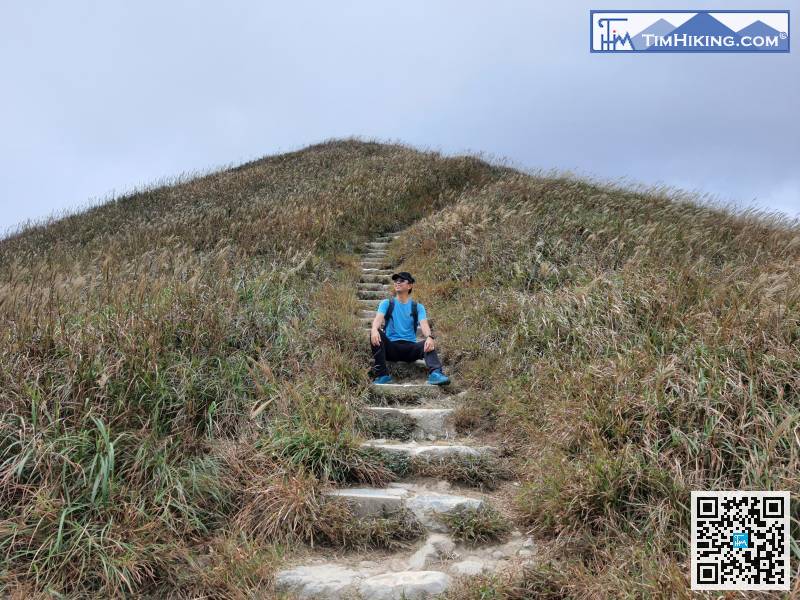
pixel 630 348
pixel 180 368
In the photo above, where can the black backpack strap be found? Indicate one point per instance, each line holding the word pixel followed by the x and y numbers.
pixel 414 315
pixel 388 314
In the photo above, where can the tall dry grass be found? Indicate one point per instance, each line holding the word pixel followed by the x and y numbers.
pixel 142 339
pixel 180 368
pixel 631 345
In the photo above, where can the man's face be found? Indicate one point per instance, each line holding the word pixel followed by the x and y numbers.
pixel 401 284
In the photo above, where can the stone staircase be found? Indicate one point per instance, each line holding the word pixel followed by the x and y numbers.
pixel 427 411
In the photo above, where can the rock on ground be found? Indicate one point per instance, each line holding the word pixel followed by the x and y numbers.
pixel 406 585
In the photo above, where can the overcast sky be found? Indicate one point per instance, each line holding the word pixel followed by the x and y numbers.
pixel 100 97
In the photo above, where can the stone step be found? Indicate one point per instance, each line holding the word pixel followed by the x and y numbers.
pixel 329 581
pixel 423 502
pixel 368 502
pixel 371 294
pixel 412 390
pixel 422 450
pixel 429 423
pixel 376 253
pixel 366 314
pixel 375 278
pixel 385 260
pixel 405 585
pixel 377 245
pixel 370 285
pixel 408 371
pixel 373 271
pixel 368 304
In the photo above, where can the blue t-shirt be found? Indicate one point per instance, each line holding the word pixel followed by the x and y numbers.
pixel 401 325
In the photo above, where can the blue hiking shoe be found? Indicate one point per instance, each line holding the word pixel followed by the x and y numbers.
pixel 384 379
pixel 437 378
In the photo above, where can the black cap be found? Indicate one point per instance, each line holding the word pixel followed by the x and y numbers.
pixel 404 275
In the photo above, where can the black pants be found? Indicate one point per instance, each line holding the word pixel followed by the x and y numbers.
pixel 401 350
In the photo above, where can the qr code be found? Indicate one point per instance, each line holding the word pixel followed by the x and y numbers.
pixel 740 540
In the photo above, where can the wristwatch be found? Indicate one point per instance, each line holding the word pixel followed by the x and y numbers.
pixel 433 337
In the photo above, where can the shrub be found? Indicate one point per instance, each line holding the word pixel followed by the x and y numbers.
pixel 482 471
pixel 330 456
pixel 339 527
pixel 476 525
pixel 284 508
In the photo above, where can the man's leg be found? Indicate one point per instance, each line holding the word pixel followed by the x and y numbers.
pixel 380 354
pixel 431 358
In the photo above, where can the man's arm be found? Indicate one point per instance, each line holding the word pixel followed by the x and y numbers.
pixel 426 329
pixel 377 322
pixel 430 344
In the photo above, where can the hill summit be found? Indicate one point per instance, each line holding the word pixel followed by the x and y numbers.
pixel 183 373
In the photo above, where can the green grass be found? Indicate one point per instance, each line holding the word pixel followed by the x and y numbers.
pixel 329 456
pixel 476 526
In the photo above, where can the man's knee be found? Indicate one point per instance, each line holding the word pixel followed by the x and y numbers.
pixel 419 351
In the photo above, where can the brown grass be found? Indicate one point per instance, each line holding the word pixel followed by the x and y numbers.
pixel 141 339
pixel 631 345
pixel 636 345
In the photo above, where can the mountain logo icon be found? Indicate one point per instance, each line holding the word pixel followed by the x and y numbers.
pixel 689 31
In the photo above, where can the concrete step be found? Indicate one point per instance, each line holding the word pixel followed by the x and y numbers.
pixel 377 245
pixel 370 285
pixel 412 390
pixel 366 304
pixel 429 423
pixel 335 581
pixel 379 258
pixel 373 271
pixel 427 450
pixel 404 371
pixel 423 502
pixel 375 278
pixel 405 585
pixel 375 254
pixel 367 502
pixel 371 294
pixel 366 314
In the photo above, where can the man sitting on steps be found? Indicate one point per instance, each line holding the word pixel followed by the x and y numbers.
pixel 399 339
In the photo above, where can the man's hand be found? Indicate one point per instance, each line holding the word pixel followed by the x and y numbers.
pixel 429 344
pixel 375 337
